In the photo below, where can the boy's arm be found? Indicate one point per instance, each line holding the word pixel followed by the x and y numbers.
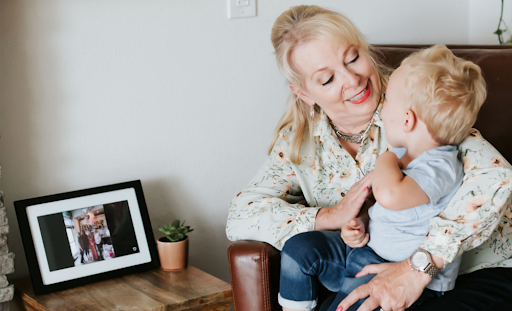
pixel 392 189
pixel 354 232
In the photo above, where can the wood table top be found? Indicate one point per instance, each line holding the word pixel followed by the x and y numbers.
pixel 189 289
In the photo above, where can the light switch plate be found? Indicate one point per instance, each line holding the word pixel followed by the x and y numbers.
pixel 241 8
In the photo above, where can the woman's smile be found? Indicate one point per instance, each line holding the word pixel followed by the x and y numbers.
pixel 362 96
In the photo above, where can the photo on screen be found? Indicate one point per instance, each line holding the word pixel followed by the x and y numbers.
pixel 88 235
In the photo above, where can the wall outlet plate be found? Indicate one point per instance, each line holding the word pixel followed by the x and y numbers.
pixel 241 8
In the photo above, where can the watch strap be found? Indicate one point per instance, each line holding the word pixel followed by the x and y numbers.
pixel 432 270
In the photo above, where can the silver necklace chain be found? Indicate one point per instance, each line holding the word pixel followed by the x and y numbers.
pixel 354 138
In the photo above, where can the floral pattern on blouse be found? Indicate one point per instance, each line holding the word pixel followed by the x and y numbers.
pixel 272 207
pixel 477 221
pixel 284 198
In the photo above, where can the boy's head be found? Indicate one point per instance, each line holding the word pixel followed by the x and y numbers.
pixel 443 91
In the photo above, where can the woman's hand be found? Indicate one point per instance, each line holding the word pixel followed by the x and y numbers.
pixel 394 288
pixel 354 234
pixel 333 218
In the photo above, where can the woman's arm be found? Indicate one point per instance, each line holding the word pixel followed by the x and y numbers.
pixel 270 208
pixel 478 206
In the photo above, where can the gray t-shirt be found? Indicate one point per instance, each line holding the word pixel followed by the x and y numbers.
pixel 395 235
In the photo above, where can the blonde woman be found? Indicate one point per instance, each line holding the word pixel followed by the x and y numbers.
pixel 320 165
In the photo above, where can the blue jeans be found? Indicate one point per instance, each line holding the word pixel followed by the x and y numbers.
pixel 316 258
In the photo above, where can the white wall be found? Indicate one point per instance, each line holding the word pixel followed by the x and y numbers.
pixel 170 92
pixel 484 17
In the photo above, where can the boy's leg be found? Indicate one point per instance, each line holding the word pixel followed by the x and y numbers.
pixel 308 260
pixel 356 260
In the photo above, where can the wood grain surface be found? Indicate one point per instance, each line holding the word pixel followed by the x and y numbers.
pixel 154 290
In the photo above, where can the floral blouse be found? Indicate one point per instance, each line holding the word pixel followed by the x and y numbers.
pixel 272 207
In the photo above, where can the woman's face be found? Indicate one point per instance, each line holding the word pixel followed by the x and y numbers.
pixel 340 78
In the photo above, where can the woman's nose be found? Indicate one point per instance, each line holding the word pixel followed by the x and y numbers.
pixel 350 79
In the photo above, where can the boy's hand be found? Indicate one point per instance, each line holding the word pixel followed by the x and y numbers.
pixel 354 234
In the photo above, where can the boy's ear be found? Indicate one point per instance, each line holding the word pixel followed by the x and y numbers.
pixel 409 121
pixel 302 95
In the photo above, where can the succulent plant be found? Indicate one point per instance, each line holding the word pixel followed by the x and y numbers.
pixel 174 231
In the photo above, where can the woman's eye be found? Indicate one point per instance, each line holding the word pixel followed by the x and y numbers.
pixel 328 81
pixel 354 60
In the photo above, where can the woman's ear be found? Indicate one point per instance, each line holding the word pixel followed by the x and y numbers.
pixel 409 121
pixel 301 95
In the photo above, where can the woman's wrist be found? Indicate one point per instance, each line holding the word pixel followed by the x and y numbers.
pixel 322 219
pixel 329 218
pixel 419 277
pixel 438 261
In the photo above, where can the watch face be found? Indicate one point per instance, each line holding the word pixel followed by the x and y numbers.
pixel 420 259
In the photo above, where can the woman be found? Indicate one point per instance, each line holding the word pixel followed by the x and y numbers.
pixel 318 172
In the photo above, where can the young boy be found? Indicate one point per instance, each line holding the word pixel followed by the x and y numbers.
pixel 432 101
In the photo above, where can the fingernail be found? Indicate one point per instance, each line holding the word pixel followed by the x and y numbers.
pixel 340 308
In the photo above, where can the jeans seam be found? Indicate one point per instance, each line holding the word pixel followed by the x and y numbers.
pixel 313 266
pixel 326 261
pixel 310 280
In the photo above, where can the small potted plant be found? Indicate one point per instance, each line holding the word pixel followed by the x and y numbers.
pixel 173 247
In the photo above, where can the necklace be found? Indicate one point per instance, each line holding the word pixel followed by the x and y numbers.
pixel 354 138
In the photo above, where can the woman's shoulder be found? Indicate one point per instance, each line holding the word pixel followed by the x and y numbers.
pixel 286 136
pixel 287 132
pixel 476 153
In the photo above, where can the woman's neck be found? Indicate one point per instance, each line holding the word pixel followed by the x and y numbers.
pixel 352 126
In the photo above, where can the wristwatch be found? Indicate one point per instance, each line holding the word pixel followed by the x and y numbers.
pixel 421 261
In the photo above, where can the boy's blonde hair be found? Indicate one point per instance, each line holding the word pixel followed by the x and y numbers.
pixel 299 25
pixel 446 92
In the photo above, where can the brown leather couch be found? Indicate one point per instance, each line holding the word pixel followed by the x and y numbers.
pixel 255 265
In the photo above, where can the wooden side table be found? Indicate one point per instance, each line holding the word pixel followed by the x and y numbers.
pixel 190 289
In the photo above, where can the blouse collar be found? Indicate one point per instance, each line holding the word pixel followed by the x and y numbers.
pixel 323 128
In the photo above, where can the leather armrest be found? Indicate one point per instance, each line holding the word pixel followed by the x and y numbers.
pixel 254 268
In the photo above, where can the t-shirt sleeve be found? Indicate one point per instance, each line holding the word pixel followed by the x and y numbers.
pixel 437 175
pixel 399 152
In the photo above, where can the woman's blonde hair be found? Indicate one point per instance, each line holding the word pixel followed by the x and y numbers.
pixel 446 92
pixel 298 25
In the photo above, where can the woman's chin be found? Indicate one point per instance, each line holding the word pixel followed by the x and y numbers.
pixel 366 107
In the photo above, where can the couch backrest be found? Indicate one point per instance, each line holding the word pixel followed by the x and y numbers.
pixel 495 117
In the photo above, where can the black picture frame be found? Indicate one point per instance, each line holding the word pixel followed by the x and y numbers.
pixel 41 221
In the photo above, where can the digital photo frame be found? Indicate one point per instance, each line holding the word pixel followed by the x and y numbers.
pixel 75 238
